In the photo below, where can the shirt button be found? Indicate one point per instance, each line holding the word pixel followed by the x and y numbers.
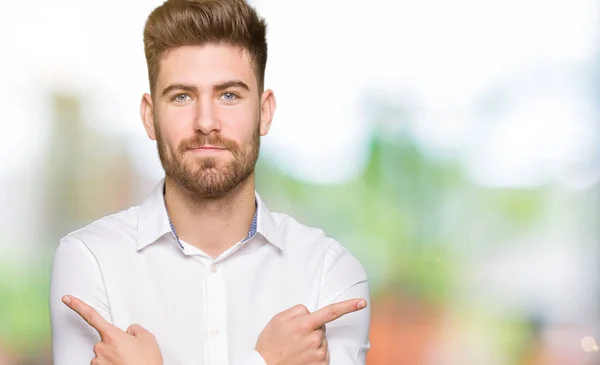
pixel 213 268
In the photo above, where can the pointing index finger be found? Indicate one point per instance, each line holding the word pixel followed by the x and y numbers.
pixel 334 311
pixel 90 315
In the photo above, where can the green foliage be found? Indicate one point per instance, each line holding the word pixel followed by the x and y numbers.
pixel 24 311
pixel 405 216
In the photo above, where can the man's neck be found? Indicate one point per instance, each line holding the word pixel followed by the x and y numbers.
pixel 211 224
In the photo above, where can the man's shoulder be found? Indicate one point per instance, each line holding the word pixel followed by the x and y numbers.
pixel 116 229
pixel 292 228
pixel 314 242
pixel 305 237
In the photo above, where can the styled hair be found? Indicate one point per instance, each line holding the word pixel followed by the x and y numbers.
pixel 178 23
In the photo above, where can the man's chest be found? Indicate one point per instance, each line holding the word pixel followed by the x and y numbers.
pixel 210 313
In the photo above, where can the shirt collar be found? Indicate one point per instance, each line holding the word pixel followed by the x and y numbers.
pixel 154 222
pixel 268 224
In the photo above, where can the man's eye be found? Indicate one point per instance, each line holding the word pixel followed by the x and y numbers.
pixel 182 97
pixel 229 96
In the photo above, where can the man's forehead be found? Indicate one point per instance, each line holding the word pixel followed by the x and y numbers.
pixel 206 65
pixel 213 56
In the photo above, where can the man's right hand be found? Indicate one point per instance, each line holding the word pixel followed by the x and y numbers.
pixel 297 337
pixel 133 347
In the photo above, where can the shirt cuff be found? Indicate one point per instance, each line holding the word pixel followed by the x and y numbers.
pixel 254 359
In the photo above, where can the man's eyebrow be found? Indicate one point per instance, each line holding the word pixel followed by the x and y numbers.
pixel 182 87
pixel 230 84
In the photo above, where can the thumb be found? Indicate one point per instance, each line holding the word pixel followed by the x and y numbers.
pixel 137 330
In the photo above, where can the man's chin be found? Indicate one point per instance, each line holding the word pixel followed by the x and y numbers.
pixel 212 190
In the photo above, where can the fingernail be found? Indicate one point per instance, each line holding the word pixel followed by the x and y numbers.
pixel 66 300
pixel 361 304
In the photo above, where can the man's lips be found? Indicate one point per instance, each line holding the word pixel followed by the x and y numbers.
pixel 208 148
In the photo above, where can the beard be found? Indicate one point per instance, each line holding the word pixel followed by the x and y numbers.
pixel 206 176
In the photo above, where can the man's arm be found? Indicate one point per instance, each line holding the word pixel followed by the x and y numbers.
pixel 347 329
pixel 345 278
pixel 75 271
pixel 292 337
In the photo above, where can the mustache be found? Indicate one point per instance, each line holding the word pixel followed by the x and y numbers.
pixel 199 140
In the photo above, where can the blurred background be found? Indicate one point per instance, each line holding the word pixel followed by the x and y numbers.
pixel 453 146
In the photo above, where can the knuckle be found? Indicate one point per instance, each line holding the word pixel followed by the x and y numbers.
pixel 321 354
pixel 298 309
pixel 147 334
pixel 109 339
pixel 274 323
pixel 133 328
pixel 98 349
pixel 304 326
pixel 88 315
pixel 333 313
pixel 302 309
pixel 316 340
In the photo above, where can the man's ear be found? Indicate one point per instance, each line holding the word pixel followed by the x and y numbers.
pixel 267 110
pixel 147 114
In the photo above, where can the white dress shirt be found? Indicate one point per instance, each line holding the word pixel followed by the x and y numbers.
pixel 132 268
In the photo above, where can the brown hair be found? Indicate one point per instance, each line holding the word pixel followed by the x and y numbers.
pixel 178 23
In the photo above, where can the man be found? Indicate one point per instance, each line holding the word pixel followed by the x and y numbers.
pixel 210 273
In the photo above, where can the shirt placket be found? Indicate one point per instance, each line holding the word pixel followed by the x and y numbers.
pixel 216 315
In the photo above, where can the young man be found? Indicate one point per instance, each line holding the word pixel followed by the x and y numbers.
pixel 210 273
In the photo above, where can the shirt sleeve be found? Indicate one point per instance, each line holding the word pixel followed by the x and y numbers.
pixel 344 277
pixel 76 272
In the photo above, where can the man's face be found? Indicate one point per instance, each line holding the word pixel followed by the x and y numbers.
pixel 207 117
